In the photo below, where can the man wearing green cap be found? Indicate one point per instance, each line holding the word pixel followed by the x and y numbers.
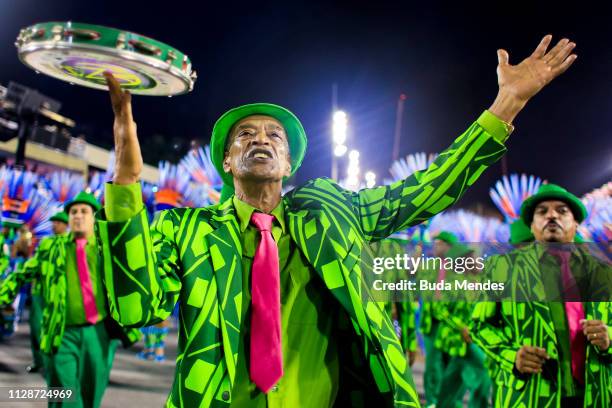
pixel 273 312
pixel 59 223
pixel 435 358
pixel 549 352
pixel 59 226
pixel 77 339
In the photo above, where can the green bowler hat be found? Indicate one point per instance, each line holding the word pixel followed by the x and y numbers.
pixel 447 237
pixel 61 216
pixel 552 192
pixel 83 198
pixel 293 127
pixel 519 233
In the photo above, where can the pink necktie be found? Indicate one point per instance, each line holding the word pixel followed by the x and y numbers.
pixel 89 302
pixel 266 351
pixel 575 313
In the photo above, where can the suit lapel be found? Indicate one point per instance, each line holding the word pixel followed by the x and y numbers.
pixel 324 233
pixel 226 255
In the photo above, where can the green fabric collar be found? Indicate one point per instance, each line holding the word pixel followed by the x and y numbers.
pixel 244 212
pixel 70 236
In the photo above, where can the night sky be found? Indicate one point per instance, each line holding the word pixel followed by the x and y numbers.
pixel 442 57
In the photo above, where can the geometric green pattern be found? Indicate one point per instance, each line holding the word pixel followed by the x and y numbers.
pixel 195 256
pixel 48 268
pixel 500 329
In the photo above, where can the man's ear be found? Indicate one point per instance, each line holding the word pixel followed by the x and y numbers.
pixel 226 164
pixel 287 172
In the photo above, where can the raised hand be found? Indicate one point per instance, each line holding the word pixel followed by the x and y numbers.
pixel 519 83
pixel 128 159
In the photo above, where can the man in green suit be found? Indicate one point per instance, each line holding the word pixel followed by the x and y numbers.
pixel 435 358
pixel 329 344
pixel 59 225
pixel 466 369
pixel 77 338
pixel 550 353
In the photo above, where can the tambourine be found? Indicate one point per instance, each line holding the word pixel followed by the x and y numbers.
pixel 80 53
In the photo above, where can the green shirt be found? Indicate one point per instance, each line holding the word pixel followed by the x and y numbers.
pixel 75 312
pixel 310 359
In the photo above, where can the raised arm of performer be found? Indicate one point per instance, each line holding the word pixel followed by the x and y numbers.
pixel 143 270
pixel 384 210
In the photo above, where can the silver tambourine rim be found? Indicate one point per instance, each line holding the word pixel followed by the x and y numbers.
pixel 187 79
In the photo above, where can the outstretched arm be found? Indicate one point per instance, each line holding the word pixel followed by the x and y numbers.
pixel 9 287
pixel 385 210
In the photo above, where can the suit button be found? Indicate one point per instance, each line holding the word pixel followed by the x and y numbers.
pixel 225 395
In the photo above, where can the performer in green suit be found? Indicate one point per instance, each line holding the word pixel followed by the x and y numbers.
pixel 401 311
pixel 466 370
pixel 549 354
pixel 435 358
pixel 77 339
pixel 59 226
pixel 307 334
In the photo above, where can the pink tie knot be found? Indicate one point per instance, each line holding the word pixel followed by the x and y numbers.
pixel 81 242
pixel 262 221
pixel 561 255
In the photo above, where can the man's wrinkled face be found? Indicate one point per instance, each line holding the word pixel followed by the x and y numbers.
pixel 553 221
pixel 81 220
pixel 58 227
pixel 440 248
pixel 258 150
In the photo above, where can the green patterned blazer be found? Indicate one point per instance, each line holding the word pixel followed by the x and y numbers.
pixel 47 267
pixel 501 328
pixel 194 255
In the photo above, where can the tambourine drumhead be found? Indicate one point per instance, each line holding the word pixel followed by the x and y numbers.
pixel 142 65
pixel 85 67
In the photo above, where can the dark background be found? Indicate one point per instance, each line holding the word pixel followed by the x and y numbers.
pixel 443 57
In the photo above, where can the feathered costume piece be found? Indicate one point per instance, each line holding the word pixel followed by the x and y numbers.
pixel 17 189
pixel 510 192
pixel 202 171
pixel 64 185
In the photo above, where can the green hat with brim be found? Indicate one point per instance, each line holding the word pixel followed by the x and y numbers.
pixel 447 237
pixel 519 233
pixel 293 127
pixel 552 192
pixel 61 216
pixel 83 198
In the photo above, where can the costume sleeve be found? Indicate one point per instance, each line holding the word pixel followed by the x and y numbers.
pixel 453 314
pixel 141 264
pixel 9 287
pixel 487 330
pixel 387 209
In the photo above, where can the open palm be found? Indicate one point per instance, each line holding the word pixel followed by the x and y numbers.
pixel 526 79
